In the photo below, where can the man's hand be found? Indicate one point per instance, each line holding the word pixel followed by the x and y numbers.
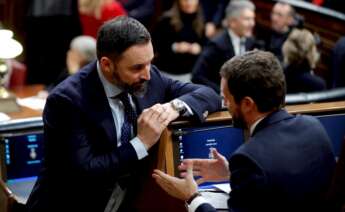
pixel 179 188
pixel 171 112
pixel 210 170
pixel 210 29
pixel 151 124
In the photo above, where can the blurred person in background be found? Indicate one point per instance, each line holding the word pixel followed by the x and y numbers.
pixel 236 39
pixel 300 58
pixel 82 51
pixel 50 27
pixel 178 39
pixel 142 10
pixel 93 13
pixel 282 20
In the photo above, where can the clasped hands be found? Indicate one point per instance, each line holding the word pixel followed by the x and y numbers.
pixel 209 170
pixel 152 121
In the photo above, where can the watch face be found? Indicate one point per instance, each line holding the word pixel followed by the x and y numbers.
pixel 178 106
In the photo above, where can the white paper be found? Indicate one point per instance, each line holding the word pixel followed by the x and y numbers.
pixel 225 187
pixel 4 117
pixel 32 102
pixel 218 200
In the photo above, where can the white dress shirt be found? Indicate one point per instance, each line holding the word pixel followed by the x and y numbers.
pixel 117 110
pixel 236 43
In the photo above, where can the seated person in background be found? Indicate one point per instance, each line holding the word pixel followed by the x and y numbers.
pixel 178 38
pixel 282 19
pixel 100 124
pixel 287 162
pixel 214 13
pixel 82 51
pixel 93 13
pixel 338 64
pixel 142 10
pixel 300 58
pixel 235 40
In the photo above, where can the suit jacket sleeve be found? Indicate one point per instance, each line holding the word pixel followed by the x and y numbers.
pixel 68 127
pixel 201 99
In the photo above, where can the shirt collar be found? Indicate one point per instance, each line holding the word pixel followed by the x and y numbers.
pixel 235 38
pixel 110 89
pixel 252 128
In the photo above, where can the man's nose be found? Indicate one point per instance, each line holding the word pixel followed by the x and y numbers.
pixel 146 73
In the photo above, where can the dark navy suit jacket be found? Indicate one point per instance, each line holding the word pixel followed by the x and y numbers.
pixel 82 161
pixel 285 166
pixel 215 54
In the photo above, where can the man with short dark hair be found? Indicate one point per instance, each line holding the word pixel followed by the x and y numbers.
pixel 100 123
pixel 282 21
pixel 287 162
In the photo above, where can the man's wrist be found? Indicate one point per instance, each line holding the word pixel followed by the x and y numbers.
pixel 179 106
pixel 191 198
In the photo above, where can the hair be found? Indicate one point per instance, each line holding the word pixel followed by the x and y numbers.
pixel 236 7
pixel 176 21
pixel 86 46
pixel 117 35
pixel 258 75
pixel 292 11
pixel 300 47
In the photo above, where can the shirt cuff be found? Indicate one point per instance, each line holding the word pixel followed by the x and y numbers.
pixel 189 111
pixel 139 148
pixel 196 203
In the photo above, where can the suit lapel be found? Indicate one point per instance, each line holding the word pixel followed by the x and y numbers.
pixel 228 47
pixel 97 104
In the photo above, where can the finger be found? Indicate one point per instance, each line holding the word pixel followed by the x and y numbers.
pixel 217 155
pixel 195 174
pixel 200 181
pixel 145 115
pixel 164 176
pixel 190 171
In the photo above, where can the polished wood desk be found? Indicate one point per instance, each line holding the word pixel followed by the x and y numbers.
pixel 22 92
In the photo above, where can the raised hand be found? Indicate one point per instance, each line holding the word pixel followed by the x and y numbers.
pixel 209 170
pixel 179 188
pixel 151 124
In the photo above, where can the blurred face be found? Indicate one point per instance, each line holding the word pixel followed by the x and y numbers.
pixel 281 18
pixel 189 6
pixel 131 71
pixel 233 108
pixel 244 24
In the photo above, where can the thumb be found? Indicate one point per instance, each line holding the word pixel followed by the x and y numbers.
pixel 189 171
pixel 216 154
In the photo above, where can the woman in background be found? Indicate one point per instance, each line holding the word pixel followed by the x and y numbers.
pixel 300 58
pixel 178 38
pixel 93 13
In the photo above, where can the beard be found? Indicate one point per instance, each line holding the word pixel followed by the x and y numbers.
pixel 137 89
pixel 238 120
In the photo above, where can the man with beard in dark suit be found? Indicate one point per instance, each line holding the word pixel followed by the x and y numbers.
pixel 287 162
pixel 100 123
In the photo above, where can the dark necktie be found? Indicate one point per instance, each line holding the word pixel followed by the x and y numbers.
pixel 130 119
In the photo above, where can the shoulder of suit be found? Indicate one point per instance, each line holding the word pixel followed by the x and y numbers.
pixel 71 88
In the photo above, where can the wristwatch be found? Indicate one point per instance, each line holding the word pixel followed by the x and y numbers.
pixel 179 106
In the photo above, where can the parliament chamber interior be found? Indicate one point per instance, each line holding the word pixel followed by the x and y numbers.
pixel 45 33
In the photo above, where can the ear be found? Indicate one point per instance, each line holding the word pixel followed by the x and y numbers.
pixel 106 65
pixel 248 105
